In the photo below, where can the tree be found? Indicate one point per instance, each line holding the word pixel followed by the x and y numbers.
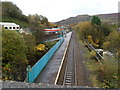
pixel 105 29
pixel 39 24
pixel 34 18
pixel 11 10
pixel 30 42
pixel 85 29
pixel 112 42
pixel 37 31
pixel 14 60
pixel 95 20
pixel 38 19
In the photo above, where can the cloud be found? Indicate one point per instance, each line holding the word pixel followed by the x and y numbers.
pixel 56 10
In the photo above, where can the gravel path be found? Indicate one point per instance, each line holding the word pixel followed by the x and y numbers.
pixel 82 73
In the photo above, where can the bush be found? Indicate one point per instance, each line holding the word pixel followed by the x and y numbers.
pixel 106 29
pixel 14 60
pixel 41 50
pixel 30 42
pixel 110 74
pixel 112 42
pixel 93 54
pixel 98 33
pixel 84 29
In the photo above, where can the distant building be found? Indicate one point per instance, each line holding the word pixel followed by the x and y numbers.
pixel 25 30
pixel 14 26
pixel 10 26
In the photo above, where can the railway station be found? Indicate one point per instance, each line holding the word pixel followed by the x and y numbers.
pixel 45 45
pixel 60 65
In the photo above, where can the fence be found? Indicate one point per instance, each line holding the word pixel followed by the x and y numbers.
pixel 38 67
pixel 98 56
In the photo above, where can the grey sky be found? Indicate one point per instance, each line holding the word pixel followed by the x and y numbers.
pixel 56 10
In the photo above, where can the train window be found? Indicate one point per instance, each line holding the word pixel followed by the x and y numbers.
pixel 10 27
pixel 13 27
pixel 6 27
pixel 17 27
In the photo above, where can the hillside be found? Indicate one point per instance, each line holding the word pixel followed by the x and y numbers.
pixel 109 18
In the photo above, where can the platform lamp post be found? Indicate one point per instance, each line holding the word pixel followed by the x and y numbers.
pixel 62 32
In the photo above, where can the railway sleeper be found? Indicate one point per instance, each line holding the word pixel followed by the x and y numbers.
pixel 69 78
pixel 68 81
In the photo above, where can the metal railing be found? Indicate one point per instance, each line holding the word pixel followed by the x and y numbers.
pixel 98 56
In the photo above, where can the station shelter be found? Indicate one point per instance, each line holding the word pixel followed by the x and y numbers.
pixel 58 31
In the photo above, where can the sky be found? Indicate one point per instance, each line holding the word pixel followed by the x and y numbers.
pixel 56 10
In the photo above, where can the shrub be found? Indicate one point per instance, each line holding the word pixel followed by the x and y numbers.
pixel 112 42
pixel 110 73
pixel 13 56
pixel 30 42
pixel 93 54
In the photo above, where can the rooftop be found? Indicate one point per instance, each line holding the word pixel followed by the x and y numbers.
pixel 7 23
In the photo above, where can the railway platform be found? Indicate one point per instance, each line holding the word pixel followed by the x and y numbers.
pixel 49 73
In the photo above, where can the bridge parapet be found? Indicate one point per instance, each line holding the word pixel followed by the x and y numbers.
pixel 39 66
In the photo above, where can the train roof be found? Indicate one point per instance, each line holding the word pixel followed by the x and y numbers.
pixel 8 24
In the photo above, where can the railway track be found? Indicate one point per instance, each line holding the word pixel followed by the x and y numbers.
pixel 70 71
pixel 73 71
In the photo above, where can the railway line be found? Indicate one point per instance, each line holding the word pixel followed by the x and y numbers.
pixel 73 71
pixel 67 66
pixel 70 70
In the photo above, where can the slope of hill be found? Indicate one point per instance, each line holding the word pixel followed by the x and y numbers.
pixel 109 18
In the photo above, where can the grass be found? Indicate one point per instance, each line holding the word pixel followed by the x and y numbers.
pixel 103 75
pixel 23 24
pixel 90 64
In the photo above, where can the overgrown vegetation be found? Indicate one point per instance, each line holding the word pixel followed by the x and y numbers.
pixel 35 23
pixel 19 50
pixel 105 36
pixel 14 60
pixel 45 47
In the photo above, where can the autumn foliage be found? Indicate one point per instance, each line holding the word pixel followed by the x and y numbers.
pixel 102 36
